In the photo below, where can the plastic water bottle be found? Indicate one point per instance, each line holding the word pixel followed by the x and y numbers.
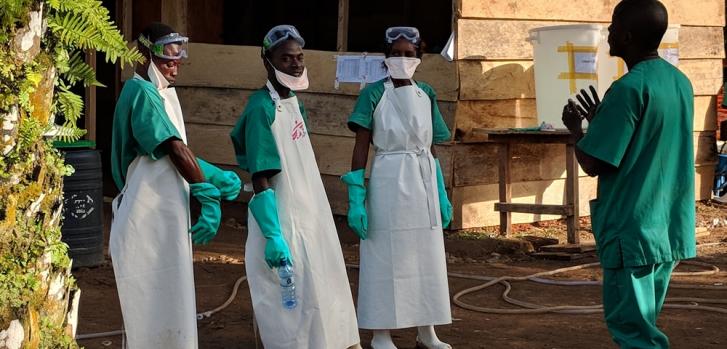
pixel 287 285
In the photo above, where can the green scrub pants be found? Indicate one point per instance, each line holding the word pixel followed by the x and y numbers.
pixel 632 300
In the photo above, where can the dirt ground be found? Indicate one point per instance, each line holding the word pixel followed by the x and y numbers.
pixel 218 265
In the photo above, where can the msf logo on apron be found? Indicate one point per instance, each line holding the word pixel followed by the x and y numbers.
pixel 298 130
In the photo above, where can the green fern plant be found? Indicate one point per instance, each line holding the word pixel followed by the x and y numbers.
pixel 78 26
pixel 85 24
pixel 79 71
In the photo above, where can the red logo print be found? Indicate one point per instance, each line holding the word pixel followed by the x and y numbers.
pixel 298 130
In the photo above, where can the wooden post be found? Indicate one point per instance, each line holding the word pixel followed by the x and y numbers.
pixel 342 41
pixel 90 102
pixel 505 187
pixel 125 18
pixel 571 193
pixel 174 14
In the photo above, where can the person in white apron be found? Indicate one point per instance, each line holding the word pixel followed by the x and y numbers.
pixel 289 217
pixel 403 275
pixel 150 243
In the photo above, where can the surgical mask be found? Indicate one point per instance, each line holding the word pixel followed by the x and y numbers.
pixel 294 83
pixel 156 77
pixel 402 67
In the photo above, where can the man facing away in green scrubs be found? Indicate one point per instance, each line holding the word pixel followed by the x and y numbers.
pixel 639 143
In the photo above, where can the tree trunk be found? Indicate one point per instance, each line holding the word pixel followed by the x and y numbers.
pixel 38 298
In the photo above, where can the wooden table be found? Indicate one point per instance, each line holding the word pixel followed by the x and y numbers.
pixel 505 140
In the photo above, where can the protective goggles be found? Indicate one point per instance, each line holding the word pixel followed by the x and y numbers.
pixel 157 47
pixel 279 34
pixel 409 33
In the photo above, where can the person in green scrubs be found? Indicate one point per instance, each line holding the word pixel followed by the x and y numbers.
pixel 289 218
pixel 639 143
pixel 150 240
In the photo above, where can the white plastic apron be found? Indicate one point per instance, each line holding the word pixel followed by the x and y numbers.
pixel 151 250
pixel 403 277
pixel 325 317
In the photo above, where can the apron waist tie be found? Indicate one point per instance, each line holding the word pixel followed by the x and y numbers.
pixel 425 168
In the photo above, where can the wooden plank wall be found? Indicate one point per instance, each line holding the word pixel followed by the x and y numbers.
pixel 216 81
pixel 497 89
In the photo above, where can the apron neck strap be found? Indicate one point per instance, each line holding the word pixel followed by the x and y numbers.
pixel 273 93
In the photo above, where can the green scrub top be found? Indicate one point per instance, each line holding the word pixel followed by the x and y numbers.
pixel 140 126
pixel 645 211
pixel 252 136
pixel 363 112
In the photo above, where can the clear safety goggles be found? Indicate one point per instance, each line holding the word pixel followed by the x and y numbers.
pixel 409 33
pixel 281 33
pixel 157 47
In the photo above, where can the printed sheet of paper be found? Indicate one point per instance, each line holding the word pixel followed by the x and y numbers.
pixel 585 62
pixel 360 68
pixel 374 69
pixel 671 55
pixel 348 68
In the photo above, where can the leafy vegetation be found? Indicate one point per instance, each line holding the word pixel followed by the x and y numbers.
pixel 37 78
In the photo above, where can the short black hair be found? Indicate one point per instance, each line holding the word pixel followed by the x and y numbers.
pixel 647 20
pixel 157 30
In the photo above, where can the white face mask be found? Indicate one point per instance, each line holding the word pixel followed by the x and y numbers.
pixel 402 67
pixel 294 83
pixel 156 77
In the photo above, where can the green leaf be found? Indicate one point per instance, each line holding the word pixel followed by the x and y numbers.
pixel 71 105
pixel 80 71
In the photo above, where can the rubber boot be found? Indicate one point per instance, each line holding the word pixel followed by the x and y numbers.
pixel 427 339
pixel 382 340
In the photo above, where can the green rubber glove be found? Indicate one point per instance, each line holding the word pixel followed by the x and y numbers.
pixel 227 182
pixel 265 210
pixel 445 207
pixel 209 218
pixel 357 217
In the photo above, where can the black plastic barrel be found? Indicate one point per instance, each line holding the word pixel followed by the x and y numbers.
pixel 82 226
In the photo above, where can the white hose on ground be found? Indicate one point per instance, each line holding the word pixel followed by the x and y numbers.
pixel 227 303
pixel 527 308
pixel 200 316
pixel 530 308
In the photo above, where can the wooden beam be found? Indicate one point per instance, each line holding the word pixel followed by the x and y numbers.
pixel 474 206
pixel 486 80
pixel 693 12
pixel 705 113
pixel 342 39
pixel 327 113
pixel 244 69
pixel 477 164
pixel 90 101
pixel 704 181
pixel 504 187
pixel 125 18
pixel 563 210
pixel 493 39
pixel 508 113
pixel 705 148
pixel 174 14
pixel 571 193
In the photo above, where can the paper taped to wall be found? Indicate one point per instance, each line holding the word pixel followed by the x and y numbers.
pixel 360 69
